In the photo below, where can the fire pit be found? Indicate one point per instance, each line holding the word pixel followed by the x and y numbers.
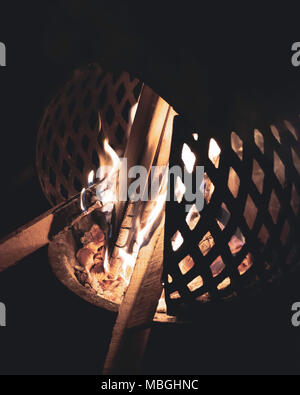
pixel 240 241
pixel 229 231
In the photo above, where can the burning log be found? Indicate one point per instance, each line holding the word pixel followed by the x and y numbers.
pixel 154 124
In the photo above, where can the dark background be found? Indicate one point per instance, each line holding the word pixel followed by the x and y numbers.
pixel 214 65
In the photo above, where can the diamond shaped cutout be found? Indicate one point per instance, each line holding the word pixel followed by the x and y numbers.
pixel 214 152
pixel 245 265
pixel 208 187
pixel 65 169
pixel 233 182
pixel 70 147
pixel 188 158
pixel 195 284
pixel 279 169
pixel 258 176
pixel 237 145
pixel 186 264
pixel 274 207
pixel 206 244
pixel 259 140
pixel 175 295
pixel 77 184
pixel 79 163
pixel 76 124
pixel 250 212
pixel 110 114
pixel 292 129
pixel 193 217
pixel 263 235
pixel 179 189
pixel 275 133
pixel 64 192
pixel 224 284
pixel 217 266
pixel 85 142
pixel 224 216
pixel 177 241
pixel 236 242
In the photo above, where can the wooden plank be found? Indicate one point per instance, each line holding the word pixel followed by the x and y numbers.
pixel 144 137
pixel 132 327
pixel 147 131
pixel 25 241
pixel 37 233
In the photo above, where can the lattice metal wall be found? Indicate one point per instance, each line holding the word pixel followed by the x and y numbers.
pixel 246 235
pixel 68 144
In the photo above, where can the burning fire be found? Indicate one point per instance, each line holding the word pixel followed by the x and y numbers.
pixel 118 267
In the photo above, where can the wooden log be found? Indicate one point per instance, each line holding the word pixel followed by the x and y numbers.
pixel 132 327
pixel 25 240
pixel 146 135
pixel 37 233
pixel 136 313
